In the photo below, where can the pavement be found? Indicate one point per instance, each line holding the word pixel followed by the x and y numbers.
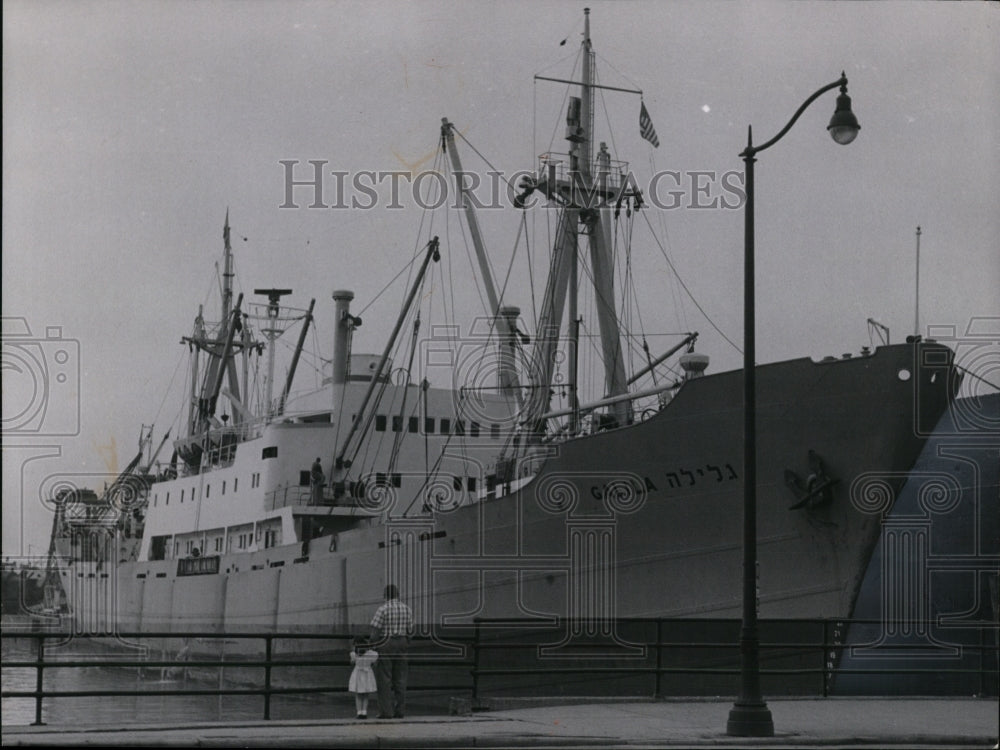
pixel 813 722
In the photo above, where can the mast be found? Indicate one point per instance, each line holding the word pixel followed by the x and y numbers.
pixel 52 585
pixel 295 357
pixel 601 261
pixel 229 330
pixel 339 464
pixel 197 335
pixel 218 372
pixel 227 274
pixel 156 453
pixel 221 361
pixel 227 301
pixel 573 364
pixel 240 415
pixel 587 211
pixel 504 326
pixel 448 143
pixel 550 315
pixel 587 101
pixel 272 332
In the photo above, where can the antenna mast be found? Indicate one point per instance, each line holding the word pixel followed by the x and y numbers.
pixel 227 274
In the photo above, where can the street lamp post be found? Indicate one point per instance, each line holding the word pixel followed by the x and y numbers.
pixel 750 716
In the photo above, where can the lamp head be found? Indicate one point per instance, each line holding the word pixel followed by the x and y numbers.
pixel 843 125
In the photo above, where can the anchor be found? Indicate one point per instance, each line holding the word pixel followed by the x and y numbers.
pixel 817 487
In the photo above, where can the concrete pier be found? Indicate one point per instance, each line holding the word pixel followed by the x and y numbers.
pixel 811 722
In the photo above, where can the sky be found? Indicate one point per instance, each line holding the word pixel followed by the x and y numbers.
pixel 131 128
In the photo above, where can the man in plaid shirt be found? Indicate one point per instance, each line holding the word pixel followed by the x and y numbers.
pixel 392 626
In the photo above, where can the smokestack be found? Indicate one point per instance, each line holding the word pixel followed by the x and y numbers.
pixel 344 325
pixel 507 374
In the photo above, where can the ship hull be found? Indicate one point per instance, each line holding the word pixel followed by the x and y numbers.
pixel 642 521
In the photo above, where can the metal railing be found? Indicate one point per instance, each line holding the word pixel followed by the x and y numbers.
pixel 299 495
pixel 817 661
pixel 288 494
pixel 520 649
pixel 270 661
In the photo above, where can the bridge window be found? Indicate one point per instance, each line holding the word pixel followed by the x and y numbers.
pixel 429 425
pixel 414 424
pixel 445 426
pixel 474 429
pixel 397 423
pixel 495 431
pixel 270 452
pixel 380 422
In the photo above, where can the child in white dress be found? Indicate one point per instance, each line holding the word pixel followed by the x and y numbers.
pixel 362 682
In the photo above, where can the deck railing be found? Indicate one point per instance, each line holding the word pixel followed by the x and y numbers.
pixel 298 496
pixel 518 655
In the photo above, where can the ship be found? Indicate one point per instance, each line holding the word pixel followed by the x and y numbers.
pixel 468 464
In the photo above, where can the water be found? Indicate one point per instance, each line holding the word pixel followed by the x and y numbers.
pixel 152 709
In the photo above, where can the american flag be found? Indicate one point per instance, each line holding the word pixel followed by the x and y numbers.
pixel 646 128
